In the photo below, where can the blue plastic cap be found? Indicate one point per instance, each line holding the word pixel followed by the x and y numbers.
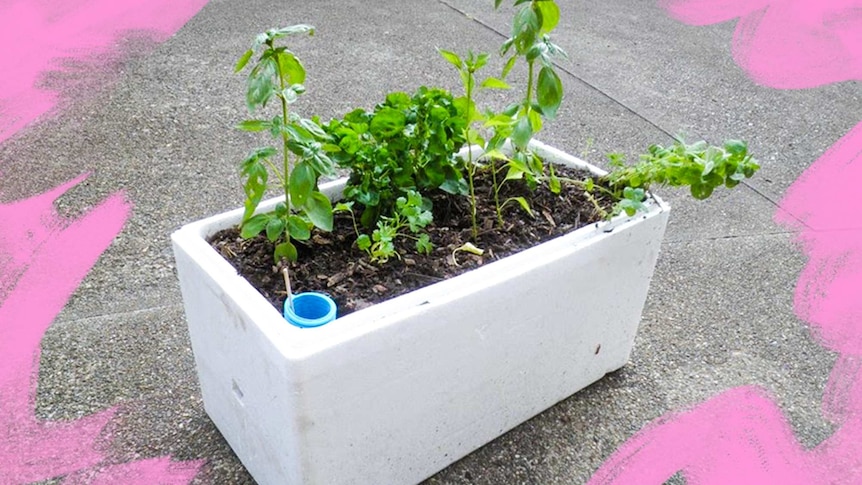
pixel 310 310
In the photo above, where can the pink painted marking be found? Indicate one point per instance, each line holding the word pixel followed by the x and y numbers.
pixel 36 35
pixel 786 44
pixel 828 292
pixel 42 257
pixel 44 270
pixel 741 436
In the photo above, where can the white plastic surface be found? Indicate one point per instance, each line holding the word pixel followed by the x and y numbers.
pixel 395 392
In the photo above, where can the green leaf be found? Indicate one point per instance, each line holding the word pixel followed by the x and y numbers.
pixel 497 4
pixel 554 182
pixel 318 208
pixel 296 132
pixel 280 209
pixel 243 60
pixel 481 60
pixel 313 128
pixel 274 228
pixel 452 58
pixel 290 66
pixel 506 46
pixel 514 173
pixel 494 83
pixel 736 147
pixel 254 226
pixel 535 121
pixel 254 125
pixel 363 242
pixel 498 120
pixel 387 122
pixel 343 207
pixel 549 15
pixel 302 182
pixel 525 22
pixel 455 186
pixel 423 244
pixel 536 51
pixel 320 161
pixel 523 203
pixel 522 133
pixel 511 109
pixel 508 67
pixel 289 95
pixel 298 228
pixel 285 250
pixel 701 191
pixel 255 184
pixel 296 29
pixel 549 91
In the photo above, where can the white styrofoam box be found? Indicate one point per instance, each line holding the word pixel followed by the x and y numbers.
pixel 395 392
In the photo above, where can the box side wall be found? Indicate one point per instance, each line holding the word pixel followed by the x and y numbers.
pixel 399 404
pixel 246 385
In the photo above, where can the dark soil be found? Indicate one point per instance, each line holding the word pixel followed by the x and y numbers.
pixel 331 263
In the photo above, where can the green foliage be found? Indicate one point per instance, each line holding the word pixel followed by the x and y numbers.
pixel 412 213
pixel 277 74
pixel 530 41
pixel 699 166
pixel 407 143
pixel 405 147
pixel 467 69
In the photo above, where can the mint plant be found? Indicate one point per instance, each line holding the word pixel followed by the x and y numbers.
pixel 277 74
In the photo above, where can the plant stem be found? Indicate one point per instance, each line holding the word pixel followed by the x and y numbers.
pixel 284 140
pixel 471 169
pixel 528 101
pixel 496 194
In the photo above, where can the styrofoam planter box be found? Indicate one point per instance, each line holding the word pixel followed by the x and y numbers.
pixel 395 392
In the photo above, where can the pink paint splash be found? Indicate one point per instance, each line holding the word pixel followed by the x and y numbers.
pixel 741 436
pixel 43 258
pixel 36 35
pixel 786 44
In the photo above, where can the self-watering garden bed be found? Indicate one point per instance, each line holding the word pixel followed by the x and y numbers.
pixel 332 263
pixel 396 391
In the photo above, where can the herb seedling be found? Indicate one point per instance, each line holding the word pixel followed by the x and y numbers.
pixel 529 40
pixel 467 69
pixel 413 213
pixel 278 74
